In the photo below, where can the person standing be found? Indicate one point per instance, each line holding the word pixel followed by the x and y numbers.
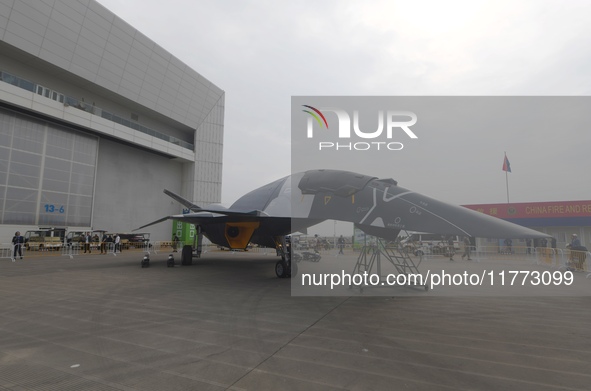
pixel 450 248
pixel 341 243
pixel 104 244
pixel 467 246
pixel 17 242
pixel 508 246
pixel 109 243
pixel 543 242
pixel 175 243
pixel 316 243
pixel 117 243
pixel 87 240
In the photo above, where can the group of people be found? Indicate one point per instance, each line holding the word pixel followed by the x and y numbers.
pixel 107 239
pixel 18 241
pixel 318 243
pixel 87 240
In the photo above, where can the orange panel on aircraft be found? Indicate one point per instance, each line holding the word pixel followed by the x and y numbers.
pixel 238 234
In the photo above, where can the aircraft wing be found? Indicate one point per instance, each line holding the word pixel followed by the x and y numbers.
pixel 156 222
pixel 220 210
pixel 236 229
pixel 207 218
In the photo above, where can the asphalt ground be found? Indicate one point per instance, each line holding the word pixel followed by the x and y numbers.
pixel 100 322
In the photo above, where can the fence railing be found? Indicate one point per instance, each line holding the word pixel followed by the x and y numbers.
pixel 7 251
pixel 70 250
pixel 551 257
pixel 167 245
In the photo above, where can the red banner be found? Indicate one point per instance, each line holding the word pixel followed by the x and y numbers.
pixel 535 209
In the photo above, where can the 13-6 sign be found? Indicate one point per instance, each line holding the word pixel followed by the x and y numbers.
pixel 49 208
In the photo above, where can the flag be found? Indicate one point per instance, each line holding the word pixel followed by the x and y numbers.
pixel 506 164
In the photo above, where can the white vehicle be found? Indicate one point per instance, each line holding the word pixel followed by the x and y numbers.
pixel 44 239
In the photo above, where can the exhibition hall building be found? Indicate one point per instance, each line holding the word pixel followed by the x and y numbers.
pixel 96 120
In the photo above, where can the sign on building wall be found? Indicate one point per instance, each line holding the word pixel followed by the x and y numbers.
pixel 556 213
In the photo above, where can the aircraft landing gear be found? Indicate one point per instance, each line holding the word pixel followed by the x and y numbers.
pixel 281 269
pixel 187 255
pixel 285 268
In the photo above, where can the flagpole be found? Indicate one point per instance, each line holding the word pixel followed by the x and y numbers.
pixel 507 177
pixel 507 183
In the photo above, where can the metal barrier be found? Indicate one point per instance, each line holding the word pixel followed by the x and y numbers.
pixel 124 246
pixel 110 248
pixel 7 251
pixel 562 259
pixel 575 261
pixel 262 250
pixel 161 246
pixel 491 252
pixel 551 257
pixel 70 250
pixel 134 246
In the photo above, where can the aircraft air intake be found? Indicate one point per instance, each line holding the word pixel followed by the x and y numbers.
pixel 238 234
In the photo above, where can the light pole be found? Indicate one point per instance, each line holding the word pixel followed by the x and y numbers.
pixel 334 238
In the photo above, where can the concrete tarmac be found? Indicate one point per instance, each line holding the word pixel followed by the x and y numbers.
pixel 99 322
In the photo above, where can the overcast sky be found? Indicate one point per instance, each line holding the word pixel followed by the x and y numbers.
pixel 261 53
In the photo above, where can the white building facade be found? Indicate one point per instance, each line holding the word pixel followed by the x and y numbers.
pixel 96 120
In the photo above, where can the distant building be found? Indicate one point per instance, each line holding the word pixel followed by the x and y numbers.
pixel 96 120
pixel 559 219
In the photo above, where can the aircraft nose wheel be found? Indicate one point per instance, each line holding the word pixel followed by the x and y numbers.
pixel 283 270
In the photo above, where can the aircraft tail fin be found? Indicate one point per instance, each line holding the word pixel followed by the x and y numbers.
pixel 183 201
